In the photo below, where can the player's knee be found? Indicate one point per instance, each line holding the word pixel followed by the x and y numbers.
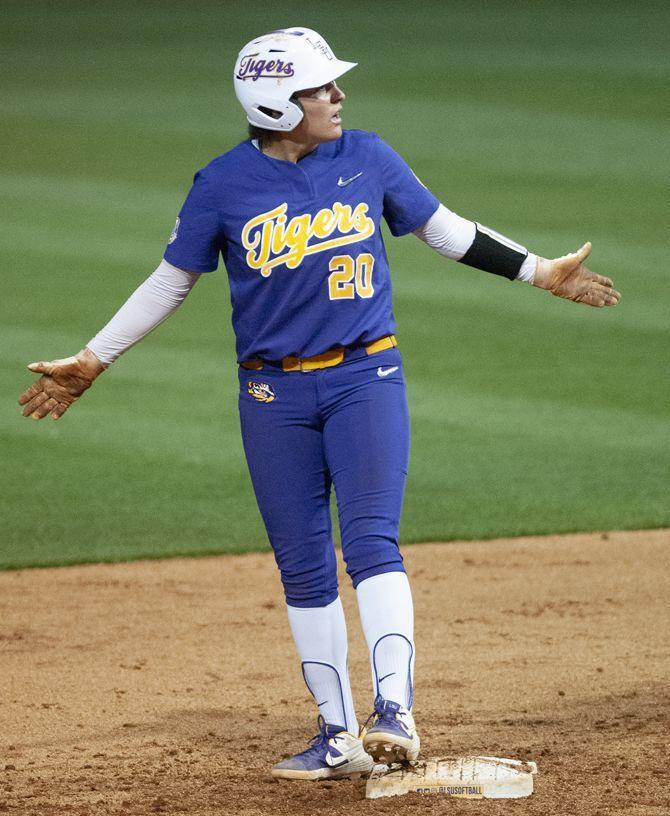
pixel 317 587
pixel 308 568
pixel 371 555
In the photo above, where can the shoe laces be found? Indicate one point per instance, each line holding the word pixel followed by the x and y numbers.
pixel 320 741
pixel 385 711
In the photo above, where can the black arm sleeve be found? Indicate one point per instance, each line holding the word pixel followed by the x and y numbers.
pixel 493 253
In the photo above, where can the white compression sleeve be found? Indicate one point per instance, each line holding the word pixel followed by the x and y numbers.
pixel 452 236
pixel 528 267
pixel 387 617
pixel 149 305
pixel 320 635
pixel 447 233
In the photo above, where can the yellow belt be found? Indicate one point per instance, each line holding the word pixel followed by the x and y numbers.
pixel 326 360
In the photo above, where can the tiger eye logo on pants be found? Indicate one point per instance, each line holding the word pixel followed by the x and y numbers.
pixel 260 391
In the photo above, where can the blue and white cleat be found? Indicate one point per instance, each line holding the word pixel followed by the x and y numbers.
pixel 392 736
pixel 333 754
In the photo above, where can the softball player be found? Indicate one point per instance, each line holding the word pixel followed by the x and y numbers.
pixel 295 212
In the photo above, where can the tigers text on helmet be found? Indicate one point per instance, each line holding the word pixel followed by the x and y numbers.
pixel 271 68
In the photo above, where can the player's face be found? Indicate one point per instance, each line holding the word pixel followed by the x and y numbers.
pixel 322 121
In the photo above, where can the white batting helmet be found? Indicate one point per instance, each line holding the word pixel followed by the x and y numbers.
pixel 271 68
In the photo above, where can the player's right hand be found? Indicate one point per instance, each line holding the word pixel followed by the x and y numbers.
pixel 62 383
pixel 568 278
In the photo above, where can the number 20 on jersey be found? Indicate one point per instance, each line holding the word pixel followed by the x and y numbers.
pixel 350 277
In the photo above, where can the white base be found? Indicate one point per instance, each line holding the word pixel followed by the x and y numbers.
pixel 471 777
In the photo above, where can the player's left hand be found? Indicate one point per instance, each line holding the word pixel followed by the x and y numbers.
pixel 62 383
pixel 568 278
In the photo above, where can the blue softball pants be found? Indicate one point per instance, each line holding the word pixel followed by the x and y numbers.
pixel 346 426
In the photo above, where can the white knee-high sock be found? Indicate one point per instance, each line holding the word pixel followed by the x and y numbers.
pixel 387 617
pixel 320 634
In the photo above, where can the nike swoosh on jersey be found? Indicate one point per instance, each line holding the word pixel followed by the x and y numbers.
pixel 384 372
pixel 343 182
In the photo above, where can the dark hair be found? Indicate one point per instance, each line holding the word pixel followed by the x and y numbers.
pixel 261 134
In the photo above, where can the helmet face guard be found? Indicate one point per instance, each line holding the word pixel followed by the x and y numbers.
pixel 270 69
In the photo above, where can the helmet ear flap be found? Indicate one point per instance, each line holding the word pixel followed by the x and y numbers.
pixel 274 114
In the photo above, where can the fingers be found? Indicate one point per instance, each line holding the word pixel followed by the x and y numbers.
pixel 601 291
pixel 59 410
pixel 602 280
pixel 44 397
pixel 613 297
pixel 605 295
pixel 573 260
pixel 45 408
pixel 582 254
pixel 600 296
pixel 35 403
pixel 33 391
pixel 41 368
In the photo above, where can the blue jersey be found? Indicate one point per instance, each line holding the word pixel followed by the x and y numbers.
pixel 301 242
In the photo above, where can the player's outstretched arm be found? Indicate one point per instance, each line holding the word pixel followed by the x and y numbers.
pixel 62 383
pixel 474 245
pixel 567 277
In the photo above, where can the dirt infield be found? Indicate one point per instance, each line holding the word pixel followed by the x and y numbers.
pixel 172 686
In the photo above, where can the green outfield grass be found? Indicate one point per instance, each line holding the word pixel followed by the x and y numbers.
pixel 529 414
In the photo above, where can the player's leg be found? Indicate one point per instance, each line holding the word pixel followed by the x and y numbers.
pixel 320 635
pixel 387 618
pixel 366 439
pixel 283 445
